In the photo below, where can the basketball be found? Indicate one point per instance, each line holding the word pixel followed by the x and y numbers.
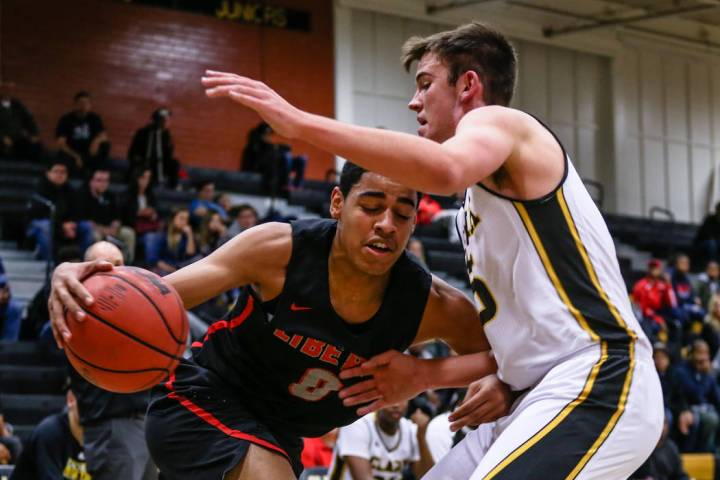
pixel 134 333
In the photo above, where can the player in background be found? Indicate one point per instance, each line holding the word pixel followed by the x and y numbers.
pixel 380 445
pixel 539 256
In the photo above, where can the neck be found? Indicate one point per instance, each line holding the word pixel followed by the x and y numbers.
pixel 349 283
pixel 389 428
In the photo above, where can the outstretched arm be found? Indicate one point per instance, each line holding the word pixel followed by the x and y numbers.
pixel 485 138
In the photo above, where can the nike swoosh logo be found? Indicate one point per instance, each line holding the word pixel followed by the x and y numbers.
pixel 295 308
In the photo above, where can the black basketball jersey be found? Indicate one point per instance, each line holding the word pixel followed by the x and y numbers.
pixel 283 357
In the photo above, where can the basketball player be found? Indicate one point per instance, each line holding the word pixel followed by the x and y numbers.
pixel 380 445
pixel 320 296
pixel 540 258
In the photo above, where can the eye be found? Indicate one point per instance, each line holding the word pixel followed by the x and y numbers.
pixel 425 85
pixel 370 209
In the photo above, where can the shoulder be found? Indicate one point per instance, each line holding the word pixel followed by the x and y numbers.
pixel 444 297
pixel 496 115
pixel 50 429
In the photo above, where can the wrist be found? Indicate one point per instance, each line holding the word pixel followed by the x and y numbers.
pixel 425 371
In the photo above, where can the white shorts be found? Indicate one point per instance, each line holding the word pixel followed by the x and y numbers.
pixel 586 419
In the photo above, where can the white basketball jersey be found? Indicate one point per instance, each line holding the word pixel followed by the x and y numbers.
pixel 546 279
pixel 387 454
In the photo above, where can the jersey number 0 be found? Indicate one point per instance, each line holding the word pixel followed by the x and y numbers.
pixel 315 384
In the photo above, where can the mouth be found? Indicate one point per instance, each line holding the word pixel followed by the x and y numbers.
pixel 421 121
pixel 379 247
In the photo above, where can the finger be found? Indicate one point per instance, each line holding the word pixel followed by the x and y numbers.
pixel 467 407
pixel 78 290
pixel 60 330
pixel 69 303
pixel 226 80
pixel 212 73
pixel 359 371
pixel 474 418
pixel 359 399
pixel 371 366
pixel 358 388
pixel 226 90
pixel 373 407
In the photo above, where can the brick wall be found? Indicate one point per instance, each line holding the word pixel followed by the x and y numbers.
pixel 135 58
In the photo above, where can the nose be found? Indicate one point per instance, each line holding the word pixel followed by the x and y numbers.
pixel 385 224
pixel 415 105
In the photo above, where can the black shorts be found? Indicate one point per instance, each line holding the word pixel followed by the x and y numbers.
pixel 197 429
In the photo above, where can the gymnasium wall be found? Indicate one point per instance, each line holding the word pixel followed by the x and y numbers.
pixel 135 58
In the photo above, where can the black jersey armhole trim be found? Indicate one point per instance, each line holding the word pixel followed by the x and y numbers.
pixel 552 193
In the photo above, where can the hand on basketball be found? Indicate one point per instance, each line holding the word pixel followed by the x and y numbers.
pixel 68 292
pixel 486 400
pixel 275 110
pixel 394 378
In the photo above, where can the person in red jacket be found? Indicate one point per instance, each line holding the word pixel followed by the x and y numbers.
pixel 656 299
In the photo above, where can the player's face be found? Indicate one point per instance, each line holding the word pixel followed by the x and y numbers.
pixel 435 102
pixel 376 220
pixel 393 413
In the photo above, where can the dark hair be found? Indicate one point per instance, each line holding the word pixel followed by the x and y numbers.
pixel 100 168
pixel 473 46
pixel 237 209
pixel 202 184
pixel 56 160
pixel 81 94
pixel 349 177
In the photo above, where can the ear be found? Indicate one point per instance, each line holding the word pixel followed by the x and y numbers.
pixel 337 200
pixel 471 88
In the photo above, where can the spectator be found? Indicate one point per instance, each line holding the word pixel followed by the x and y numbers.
pixel 700 390
pixel 245 216
pixel 18 130
pixel 416 247
pixel 708 283
pixel 152 149
pixel 273 160
pixel 114 424
pixel 664 463
pixel 318 452
pixel 100 217
pixel 55 188
pixel 10 313
pixel 676 408
pixel 204 203
pixel 427 209
pixel 256 148
pixel 10 445
pixel 213 233
pixel 140 205
pixel 331 176
pixel 689 304
pixel 55 450
pixel 707 239
pixel 655 298
pixel 225 201
pixel 381 444
pixel 81 136
pixel 176 247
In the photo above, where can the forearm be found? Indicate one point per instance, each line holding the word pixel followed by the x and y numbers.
pixel 458 371
pixel 426 462
pixel 417 162
pixel 198 282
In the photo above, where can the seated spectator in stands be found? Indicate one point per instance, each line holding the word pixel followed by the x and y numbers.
pixel 677 410
pixel 245 216
pixel 225 201
pixel 54 187
pixel 113 423
pixel 689 303
pixel 416 247
pixel 10 312
pixel 10 445
pixel 213 233
pixel 318 452
pixel 655 297
pixel 427 209
pixel 700 389
pixel 55 450
pixel 331 176
pixel 100 217
pixel 664 463
pixel 381 444
pixel 204 203
pixel 82 138
pixel 18 130
pixel 152 149
pixel 176 246
pixel 139 205
pixel 707 239
pixel 708 283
